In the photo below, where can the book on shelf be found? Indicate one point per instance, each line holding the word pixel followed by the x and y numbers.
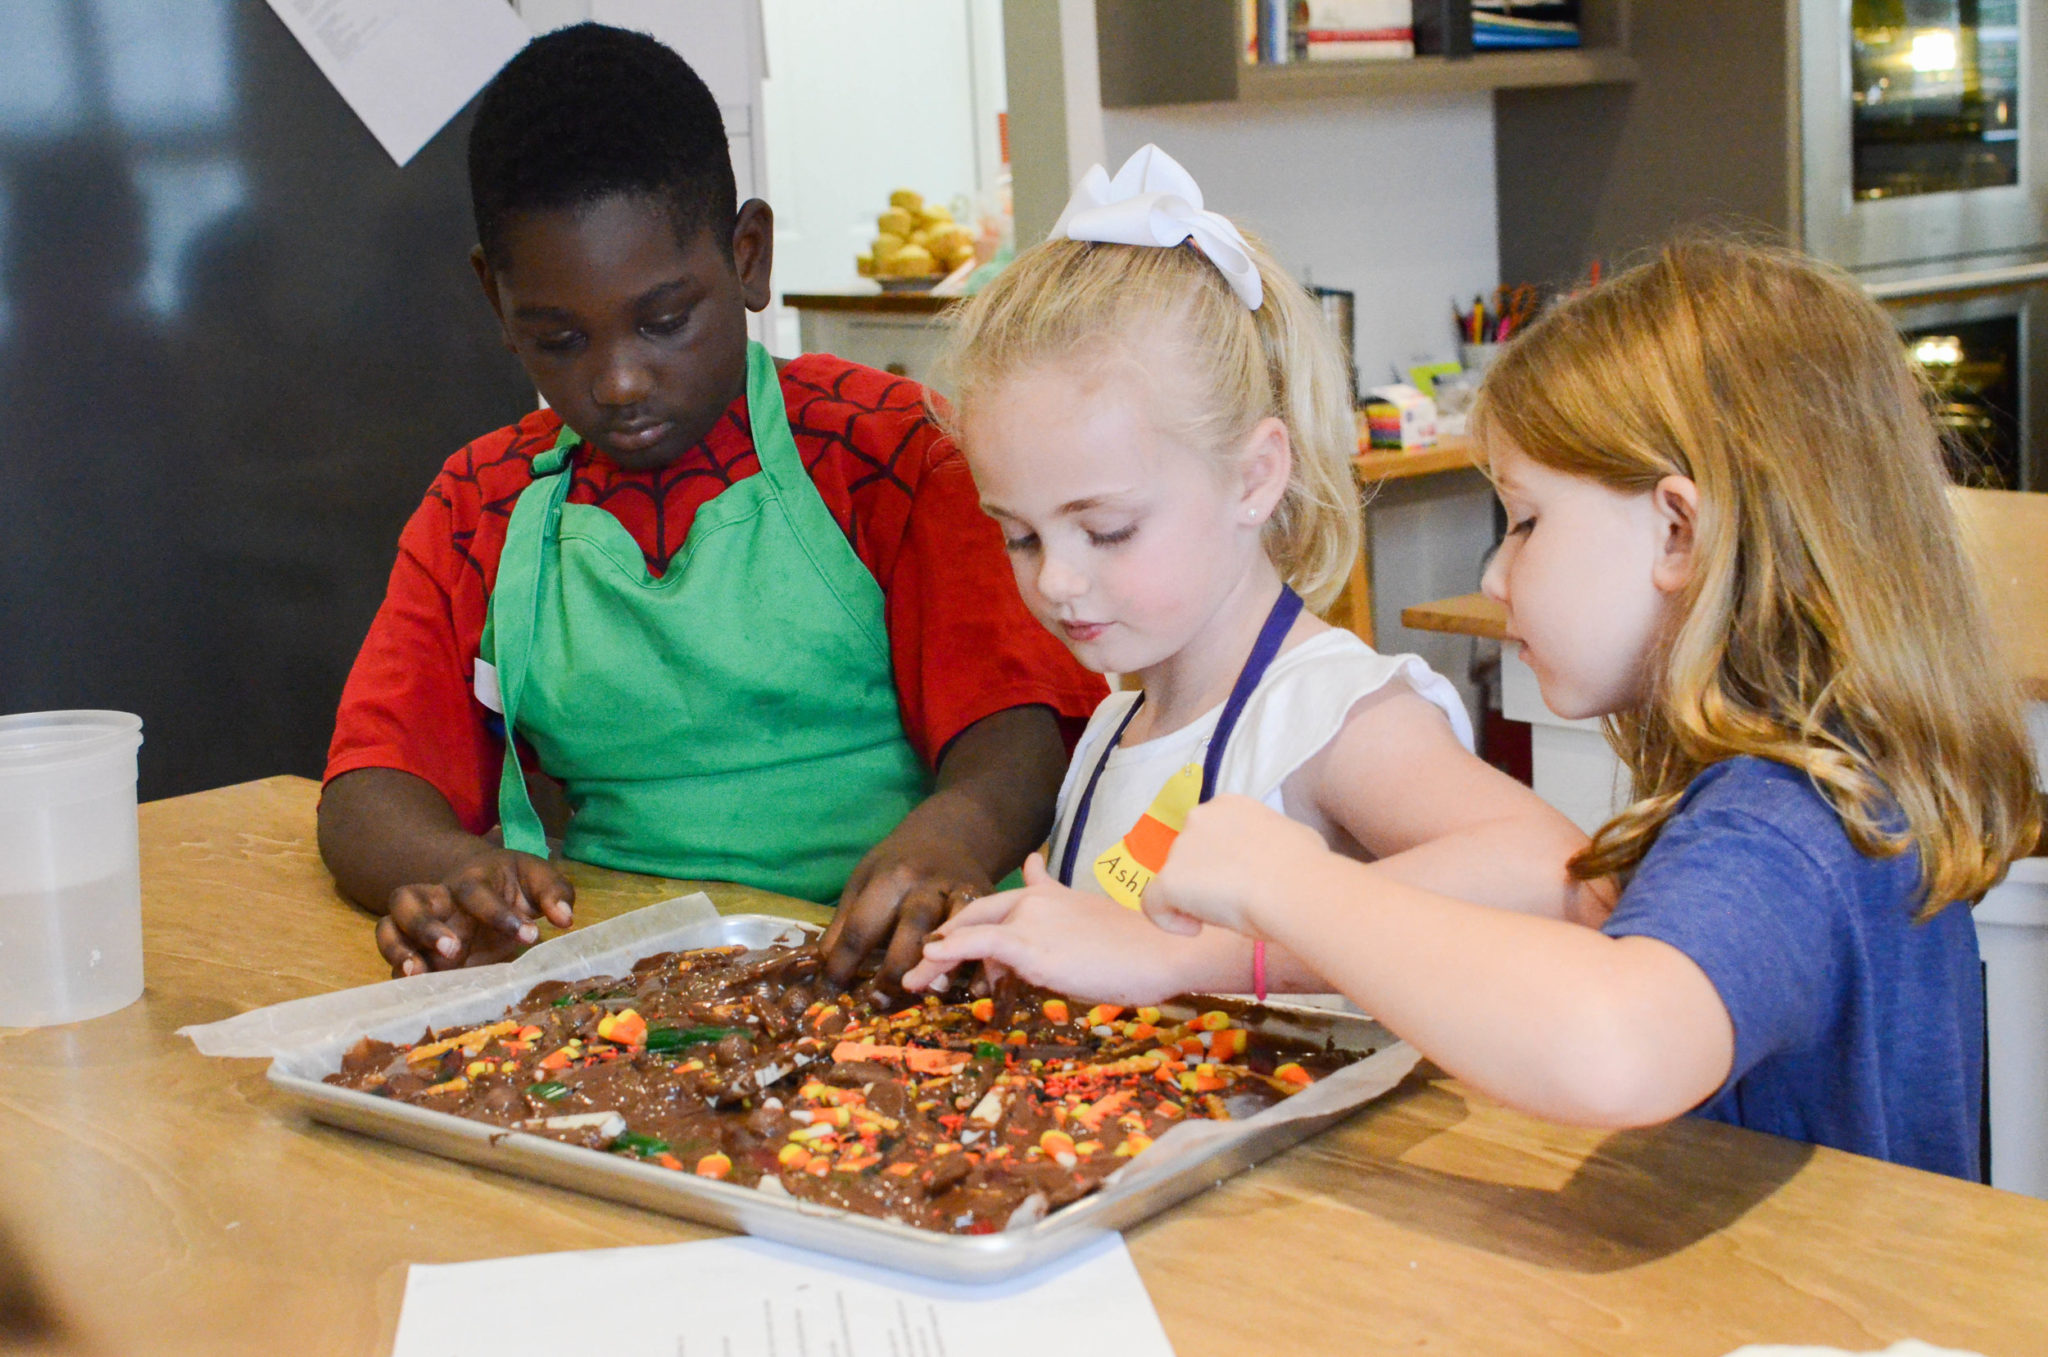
pixel 1517 25
pixel 1283 31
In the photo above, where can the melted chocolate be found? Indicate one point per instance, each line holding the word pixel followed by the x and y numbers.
pixel 960 1117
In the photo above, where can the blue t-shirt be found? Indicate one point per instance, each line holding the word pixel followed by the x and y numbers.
pixel 1855 1027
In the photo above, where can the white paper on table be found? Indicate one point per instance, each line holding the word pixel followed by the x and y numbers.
pixel 405 66
pixel 750 1298
pixel 1909 1347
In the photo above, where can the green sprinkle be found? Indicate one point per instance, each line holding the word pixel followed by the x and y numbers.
pixel 632 1142
pixel 548 1090
pixel 565 1000
pixel 988 1050
pixel 676 1038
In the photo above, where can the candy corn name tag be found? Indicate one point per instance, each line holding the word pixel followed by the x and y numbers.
pixel 1130 864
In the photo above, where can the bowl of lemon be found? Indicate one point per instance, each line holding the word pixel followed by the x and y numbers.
pixel 916 244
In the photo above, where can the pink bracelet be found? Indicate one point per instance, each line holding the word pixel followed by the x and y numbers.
pixel 1259 970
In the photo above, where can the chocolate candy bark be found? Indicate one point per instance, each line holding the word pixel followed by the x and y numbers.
pixel 964 1116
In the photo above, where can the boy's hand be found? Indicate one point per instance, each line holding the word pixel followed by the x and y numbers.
pixel 1076 942
pixel 483 912
pixel 1233 853
pixel 909 884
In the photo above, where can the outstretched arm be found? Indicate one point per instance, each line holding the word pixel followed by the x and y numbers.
pixel 1084 944
pixel 1556 1019
pixel 1397 781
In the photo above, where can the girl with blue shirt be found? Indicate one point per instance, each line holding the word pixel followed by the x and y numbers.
pixel 1729 537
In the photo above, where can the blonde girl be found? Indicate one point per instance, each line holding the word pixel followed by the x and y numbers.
pixel 1156 416
pixel 1728 536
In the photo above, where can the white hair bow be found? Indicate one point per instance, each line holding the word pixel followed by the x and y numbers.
pixel 1153 201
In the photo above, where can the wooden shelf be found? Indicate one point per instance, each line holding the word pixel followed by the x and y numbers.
pixel 1450 454
pixel 1465 615
pixel 1435 75
pixel 1159 53
pixel 876 302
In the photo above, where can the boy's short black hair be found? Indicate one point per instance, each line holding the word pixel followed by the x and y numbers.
pixel 589 111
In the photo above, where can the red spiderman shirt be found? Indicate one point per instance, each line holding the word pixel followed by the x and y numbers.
pixel 961 644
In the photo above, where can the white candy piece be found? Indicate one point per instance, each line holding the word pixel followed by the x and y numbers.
pixel 610 1125
pixel 989 1110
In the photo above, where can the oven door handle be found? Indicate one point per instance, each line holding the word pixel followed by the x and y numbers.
pixel 1958 284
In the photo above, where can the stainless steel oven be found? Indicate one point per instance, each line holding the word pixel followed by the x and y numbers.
pixel 1981 345
pixel 1925 130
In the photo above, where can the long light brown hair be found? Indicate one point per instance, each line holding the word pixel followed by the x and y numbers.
pixel 1067 301
pixel 1832 622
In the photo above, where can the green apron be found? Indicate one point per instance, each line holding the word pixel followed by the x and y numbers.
pixel 733 720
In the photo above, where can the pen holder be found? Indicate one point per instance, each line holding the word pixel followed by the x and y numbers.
pixel 1477 358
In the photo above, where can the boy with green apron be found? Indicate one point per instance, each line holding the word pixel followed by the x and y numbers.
pixel 793 659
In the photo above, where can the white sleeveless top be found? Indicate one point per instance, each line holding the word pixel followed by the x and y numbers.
pixel 1298 707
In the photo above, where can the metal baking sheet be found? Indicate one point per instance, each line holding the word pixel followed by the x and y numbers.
pixel 1209 1152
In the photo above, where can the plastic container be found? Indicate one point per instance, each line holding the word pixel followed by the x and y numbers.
pixel 2012 936
pixel 70 879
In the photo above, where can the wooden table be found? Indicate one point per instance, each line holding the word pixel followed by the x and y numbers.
pixel 173 1205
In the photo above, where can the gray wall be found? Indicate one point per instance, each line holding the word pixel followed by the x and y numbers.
pixel 236 342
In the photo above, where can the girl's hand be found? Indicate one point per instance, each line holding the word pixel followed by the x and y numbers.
pixel 1233 853
pixel 1073 941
